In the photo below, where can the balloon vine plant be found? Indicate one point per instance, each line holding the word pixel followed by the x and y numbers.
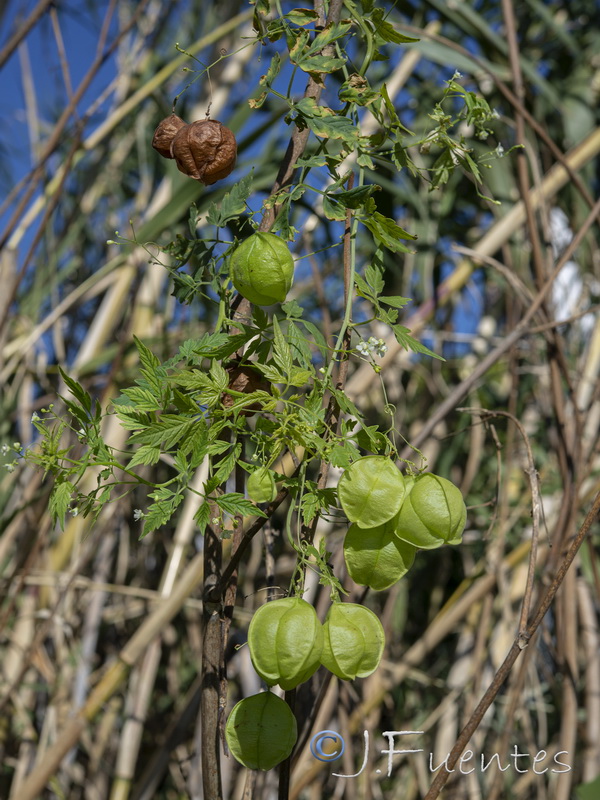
pixel 260 397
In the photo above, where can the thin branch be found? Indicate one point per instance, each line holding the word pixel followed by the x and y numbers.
pixel 297 143
pixel 285 768
pixel 536 508
pixel 295 148
pixel 58 131
pixel 518 646
pixel 218 591
pixel 62 53
pixel 37 13
pixel 520 330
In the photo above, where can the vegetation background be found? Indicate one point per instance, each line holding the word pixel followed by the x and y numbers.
pixel 87 85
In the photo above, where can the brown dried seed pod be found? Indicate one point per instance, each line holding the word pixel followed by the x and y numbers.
pixel 244 379
pixel 205 150
pixel 165 133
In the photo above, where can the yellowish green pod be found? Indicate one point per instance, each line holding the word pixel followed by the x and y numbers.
pixel 285 639
pixel 262 269
pixel 261 486
pixel 433 514
pixel 371 491
pixel 353 641
pixel 376 557
pixel 261 731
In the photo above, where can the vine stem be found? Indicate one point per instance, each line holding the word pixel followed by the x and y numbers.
pixel 343 339
pixel 522 329
pixel 299 138
pixel 285 768
pixel 221 584
pixel 536 507
pixel 308 532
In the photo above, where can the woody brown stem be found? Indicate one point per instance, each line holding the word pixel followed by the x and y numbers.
pixel 212 666
pixel 297 143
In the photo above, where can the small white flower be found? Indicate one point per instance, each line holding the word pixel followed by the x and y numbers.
pixel 11 467
pixel 4 450
pixel 74 511
pixel 495 114
pixel 479 345
pixel 35 417
pixel 363 348
pixel 500 151
pixel 487 327
pixel 16 445
pixel 457 76
pixel 138 514
pixel 215 520
pixel 381 348
pixel 322 370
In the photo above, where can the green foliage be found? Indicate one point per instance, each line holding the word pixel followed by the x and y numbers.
pixel 386 182
pixel 588 791
pixel 265 385
pixel 191 407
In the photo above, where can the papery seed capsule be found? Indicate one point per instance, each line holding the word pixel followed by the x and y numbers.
pixel 261 486
pixel 165 133
pixel 376 557
pixel 205 150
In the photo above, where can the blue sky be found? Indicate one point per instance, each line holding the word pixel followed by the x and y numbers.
pixel 38 58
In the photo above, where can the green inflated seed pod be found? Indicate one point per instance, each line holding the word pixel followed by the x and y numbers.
pixel 376 557
pixel 353 641
pixel 262 269
pixel 285 639
pixel 261 486
pixel 261 731
pixel 433 514
pixel 371 491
